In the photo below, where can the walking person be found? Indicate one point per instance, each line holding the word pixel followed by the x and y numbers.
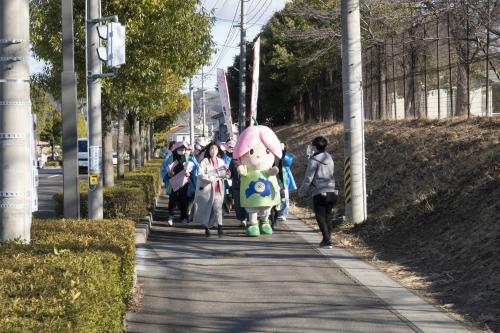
pixel 286 176
pixel 178 179
pixel 199 148
pixel 192 166
pixel 227 156
pixel 241 213
pixel 166 161
pixel 320 180
pixel 210 189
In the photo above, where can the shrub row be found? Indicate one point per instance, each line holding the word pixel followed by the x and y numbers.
pixel 130 198
pixel 75 276
pixel 55 163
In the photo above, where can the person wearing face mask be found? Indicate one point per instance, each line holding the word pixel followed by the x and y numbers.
pixel 166 162
pixel 210 189
pixel 178 197
pixel 319 178
pixel 199 148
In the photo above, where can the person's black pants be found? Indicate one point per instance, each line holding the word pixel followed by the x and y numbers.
pixel 323 205
pixel 179 198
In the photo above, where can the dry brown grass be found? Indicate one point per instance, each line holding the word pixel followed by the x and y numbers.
pixel 434 208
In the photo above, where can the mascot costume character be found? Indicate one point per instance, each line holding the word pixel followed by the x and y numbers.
pixel 256 150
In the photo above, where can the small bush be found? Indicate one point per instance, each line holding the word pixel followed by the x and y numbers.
pixel 131 197
pixel 119 202
pixel 75 276
pixel 149 182
pixel 53 163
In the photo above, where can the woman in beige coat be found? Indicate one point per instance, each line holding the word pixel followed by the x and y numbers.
pixel 209 195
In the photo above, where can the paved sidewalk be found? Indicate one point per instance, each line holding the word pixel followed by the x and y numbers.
pixel 277 283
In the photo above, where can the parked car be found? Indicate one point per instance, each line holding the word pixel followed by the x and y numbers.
pixel 83 155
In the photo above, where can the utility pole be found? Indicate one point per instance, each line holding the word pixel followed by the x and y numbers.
pixel 243 58
pixel 93 13
pixel 203 100
pixel 15 122
pixel 69 113
pixel 191 113
pixel 352 83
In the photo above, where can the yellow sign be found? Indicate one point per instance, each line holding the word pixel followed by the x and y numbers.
pixel 94 179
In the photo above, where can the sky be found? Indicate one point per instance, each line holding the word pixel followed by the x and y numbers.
pixel 259 12
pixel 225 35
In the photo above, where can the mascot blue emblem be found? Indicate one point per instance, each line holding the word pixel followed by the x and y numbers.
pixel 261 187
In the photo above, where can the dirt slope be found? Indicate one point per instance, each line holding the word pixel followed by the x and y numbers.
pixel 434 208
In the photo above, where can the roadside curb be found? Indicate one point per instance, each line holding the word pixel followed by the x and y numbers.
pixel 142 229
pixel 416 312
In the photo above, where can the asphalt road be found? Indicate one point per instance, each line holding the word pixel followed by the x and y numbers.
pixel 50 181
pixel 276 283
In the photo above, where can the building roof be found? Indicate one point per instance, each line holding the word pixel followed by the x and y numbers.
pixel 185 130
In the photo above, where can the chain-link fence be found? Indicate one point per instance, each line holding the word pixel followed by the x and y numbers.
pixel 435 69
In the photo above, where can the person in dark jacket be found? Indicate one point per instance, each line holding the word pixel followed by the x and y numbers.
pixel 179 196
pixel 241 213
pixel 320 181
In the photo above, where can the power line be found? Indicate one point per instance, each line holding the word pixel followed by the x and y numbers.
pixel 256 13
pixel 220 19
pixel 265 10
pixel 231 31
pixel 223 4
pixel 250 12
pixel 215 6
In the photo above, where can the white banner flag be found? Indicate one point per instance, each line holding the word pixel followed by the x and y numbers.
pixel 255 82
pixel 224 99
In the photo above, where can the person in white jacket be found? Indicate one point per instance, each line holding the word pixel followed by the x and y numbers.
pixel 209 195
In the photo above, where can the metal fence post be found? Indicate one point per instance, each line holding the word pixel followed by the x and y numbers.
pixel 468 64
pixel 487 113
pixel 449 67
pixel 425 73
pixel 385 81
pixel 371 83
pixel 394 80
pixel 404 76
pixel 437 68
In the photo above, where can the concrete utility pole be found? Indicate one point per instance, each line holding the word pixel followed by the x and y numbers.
pixel 243 60
pixel 191 113
pixel 15 122
pixel 94 70
pixel 69 120
pixel 354 163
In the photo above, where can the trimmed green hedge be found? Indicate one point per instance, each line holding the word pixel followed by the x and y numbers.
pixel 75 276
pixel 131 197
pixel 52 163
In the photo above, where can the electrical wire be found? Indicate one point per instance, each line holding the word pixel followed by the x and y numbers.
pixel 229 35
pixel 254 24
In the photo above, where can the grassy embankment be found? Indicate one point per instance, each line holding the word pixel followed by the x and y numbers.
pixel 433 205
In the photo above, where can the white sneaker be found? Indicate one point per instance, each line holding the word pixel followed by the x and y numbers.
pixel 282 218
pixel 244 223
pixel 170 221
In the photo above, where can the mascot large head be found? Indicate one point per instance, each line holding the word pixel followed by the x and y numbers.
pixel 257 147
